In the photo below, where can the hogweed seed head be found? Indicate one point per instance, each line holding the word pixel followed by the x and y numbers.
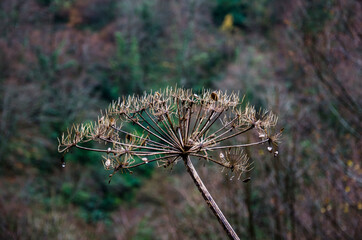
pixel 170 124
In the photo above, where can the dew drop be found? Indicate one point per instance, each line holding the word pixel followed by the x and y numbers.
pixel 222 156
pixel 62 161
pixel 145 160
pixel 108 163
pixel 231 177
pixel 276 153
pixel 262 135
pixel 270 149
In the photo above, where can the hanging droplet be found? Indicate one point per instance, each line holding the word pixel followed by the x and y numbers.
pixel 262 135
pixel 276 153
pixel 270 149
pixel 62 161
pixel 109 150
pixel 145 160
pixel 108 163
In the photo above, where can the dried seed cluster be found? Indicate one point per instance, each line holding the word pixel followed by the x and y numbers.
pixel 168 125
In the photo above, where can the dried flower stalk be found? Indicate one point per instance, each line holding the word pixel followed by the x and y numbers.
pixel 172 125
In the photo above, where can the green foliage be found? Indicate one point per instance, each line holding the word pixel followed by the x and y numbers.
pixel 81 198
pixel 144 231
pixel 56 4
pixel 49 66
pixel 67 189
pixel 248 15
pixel 316 12
pixel 126 66
pixel 97 14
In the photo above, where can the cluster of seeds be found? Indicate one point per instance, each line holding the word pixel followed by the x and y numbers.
pixel 171 124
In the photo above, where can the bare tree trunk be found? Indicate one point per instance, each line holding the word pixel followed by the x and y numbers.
pixel 209 200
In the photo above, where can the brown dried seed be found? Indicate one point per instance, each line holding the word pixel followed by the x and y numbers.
pixel 129 137
pixel 112 121
pixel 214 96
pixel 246 180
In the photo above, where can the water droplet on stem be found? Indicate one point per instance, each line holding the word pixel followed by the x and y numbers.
pixel 62 161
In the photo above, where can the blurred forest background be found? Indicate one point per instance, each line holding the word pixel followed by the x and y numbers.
pixel 61 61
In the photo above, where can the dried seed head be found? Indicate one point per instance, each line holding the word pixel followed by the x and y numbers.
pixel 236 160
pixel 276 138
pixel 170 124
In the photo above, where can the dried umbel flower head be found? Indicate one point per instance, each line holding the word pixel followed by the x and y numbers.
pixel 236 160
pixel 171 124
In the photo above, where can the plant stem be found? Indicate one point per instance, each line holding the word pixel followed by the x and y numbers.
pixel 209 200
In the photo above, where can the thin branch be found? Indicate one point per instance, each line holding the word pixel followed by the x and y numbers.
pixel 235 134
pixel 147 139
pixel 237 146
pixel 208 159
pixel 149 161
